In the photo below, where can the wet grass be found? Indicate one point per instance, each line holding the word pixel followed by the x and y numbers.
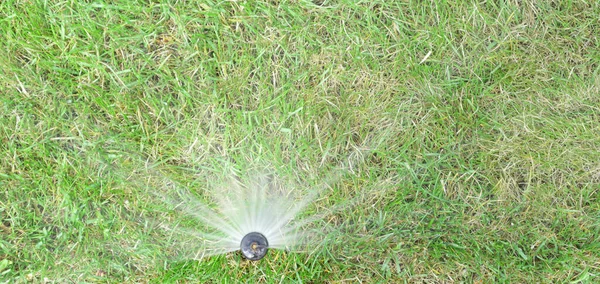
pixel 481 121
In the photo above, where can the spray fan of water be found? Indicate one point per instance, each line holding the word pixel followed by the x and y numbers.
pixel 251 217
pixel 251 214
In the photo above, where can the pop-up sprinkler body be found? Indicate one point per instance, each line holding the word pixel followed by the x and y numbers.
pixel 254 246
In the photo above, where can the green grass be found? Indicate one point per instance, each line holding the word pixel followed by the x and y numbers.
pixel 482 121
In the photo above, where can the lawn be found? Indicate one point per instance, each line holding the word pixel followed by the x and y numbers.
pixel 450 141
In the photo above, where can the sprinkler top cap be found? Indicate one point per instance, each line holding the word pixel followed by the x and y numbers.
pixel 254 246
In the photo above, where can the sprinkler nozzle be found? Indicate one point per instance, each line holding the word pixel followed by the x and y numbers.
pixel 254 246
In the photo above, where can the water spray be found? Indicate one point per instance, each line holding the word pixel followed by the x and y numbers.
pixel 254 246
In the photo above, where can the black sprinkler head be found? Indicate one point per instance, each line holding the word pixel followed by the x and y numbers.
pixel 254 246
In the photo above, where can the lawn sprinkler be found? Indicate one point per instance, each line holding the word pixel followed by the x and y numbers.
pixel 254 246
